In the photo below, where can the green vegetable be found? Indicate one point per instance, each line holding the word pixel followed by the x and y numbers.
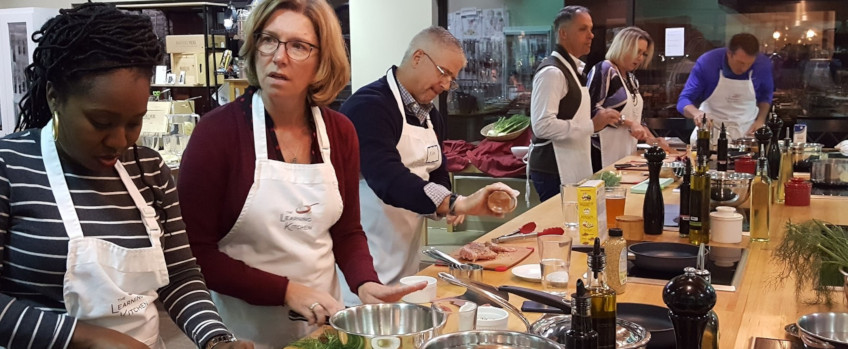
pixel 808 249
pixel 610 178
pixel 329 340
pixel 505 125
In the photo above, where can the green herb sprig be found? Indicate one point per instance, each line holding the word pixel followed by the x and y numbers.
pixel 329 340
pixel 805 250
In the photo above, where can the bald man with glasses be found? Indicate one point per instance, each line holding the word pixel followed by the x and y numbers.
pixel 403 176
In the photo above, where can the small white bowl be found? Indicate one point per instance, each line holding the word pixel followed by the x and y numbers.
pixel 421 296
pixel 519 151
pixel 491 318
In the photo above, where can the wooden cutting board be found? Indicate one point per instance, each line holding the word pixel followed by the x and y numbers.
pixel 503 262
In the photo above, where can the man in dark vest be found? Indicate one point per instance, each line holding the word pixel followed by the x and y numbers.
pixel 560 111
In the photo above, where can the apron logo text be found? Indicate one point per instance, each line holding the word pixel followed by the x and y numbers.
pixel 124 310
pixel 294 223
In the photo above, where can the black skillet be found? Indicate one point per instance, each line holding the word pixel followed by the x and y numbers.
pixel 664 256
pixel 653 318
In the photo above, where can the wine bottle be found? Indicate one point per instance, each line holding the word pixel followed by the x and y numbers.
pixel 774 123
pixel 581 335
pixel 653 208
pixel 683 221
pixel 721 155
pixel 602 298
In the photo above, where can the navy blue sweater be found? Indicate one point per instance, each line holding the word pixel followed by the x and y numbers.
pixel 375 115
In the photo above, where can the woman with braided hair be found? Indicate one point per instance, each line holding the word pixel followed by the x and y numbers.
pixel 90 226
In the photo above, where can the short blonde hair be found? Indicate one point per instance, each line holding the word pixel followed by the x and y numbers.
pixel 333 66
pixel 626 42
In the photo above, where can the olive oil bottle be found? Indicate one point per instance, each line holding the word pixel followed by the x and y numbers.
pixel 699 192
pixel 761 191
pixel 785 170
pixel 602 298
pixel 581 335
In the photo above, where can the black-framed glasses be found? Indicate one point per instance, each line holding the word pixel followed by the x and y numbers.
pixel 453 84
pixel 297 50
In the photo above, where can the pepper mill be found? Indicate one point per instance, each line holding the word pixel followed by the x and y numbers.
pixel 775 124
pixel 685 190
pixel 689 299
pixel 763 136
pixel 653 209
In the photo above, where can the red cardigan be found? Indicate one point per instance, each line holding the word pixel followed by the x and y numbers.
pixel 215 176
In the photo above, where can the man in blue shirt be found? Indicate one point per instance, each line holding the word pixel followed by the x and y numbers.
pixel 732 85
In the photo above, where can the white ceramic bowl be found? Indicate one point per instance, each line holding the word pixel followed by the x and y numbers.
pixel 491 318
pixel 421 296
pixel 519 151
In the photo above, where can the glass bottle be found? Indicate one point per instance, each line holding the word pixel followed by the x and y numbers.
pixel 689 299
pixel 653 208
pixel 774 123
pixel 683 221
pixel 761 191
pixel 785 169
pixel 711 334
pixel 699 195
pixel 721 155
pixel 581 335
pixel 615 248
pixel 602 298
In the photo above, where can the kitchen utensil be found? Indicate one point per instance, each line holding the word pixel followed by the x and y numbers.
pixel 490 296
pixel 519 151
pixel 829 327
pixel 632 226
pixel 526 231
pixel 507 137
pixel 830 172
pixel 664 256
pixel 490 339
pixel 729 188
pixel 745 164
pixel 396 325
pixel 528 272
pixel 803 155
pixel 421 296
pixel 628 335
pixel 438 255
pixel 744 145
pixel 467 271
pixel 673 169
pixel 809 341
pixel 458 314
pixel 726 225
pixel 492 318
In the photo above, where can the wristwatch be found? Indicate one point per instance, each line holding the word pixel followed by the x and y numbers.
pixel 224 338
pixel 452 203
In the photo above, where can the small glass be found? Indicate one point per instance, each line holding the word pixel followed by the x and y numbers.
pixel 570 212
pixel 500 202
pixel 458 315
pixel 555 260
pixel 616 198
pixel 151 140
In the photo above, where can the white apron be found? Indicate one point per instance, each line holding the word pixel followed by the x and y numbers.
pixel 573 154
pixel 283 229
pixel 394 233
pixel 105 284
pixel 734 103
pixel 616 142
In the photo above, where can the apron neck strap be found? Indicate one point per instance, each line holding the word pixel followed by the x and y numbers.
pixel 260 140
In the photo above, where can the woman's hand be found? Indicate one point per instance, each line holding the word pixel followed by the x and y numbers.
pixel 477 204
pixel 234 345
pixel 96 337
pixel 372 292
pixel 606 117
pixel 315 305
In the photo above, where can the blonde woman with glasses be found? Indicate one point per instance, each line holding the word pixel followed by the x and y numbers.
pixel 269 183
pixel 613 86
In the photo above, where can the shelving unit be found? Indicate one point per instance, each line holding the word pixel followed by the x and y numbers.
pixel 191 18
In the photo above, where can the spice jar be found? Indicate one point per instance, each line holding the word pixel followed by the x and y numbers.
pixel 745 164
pixel 798 192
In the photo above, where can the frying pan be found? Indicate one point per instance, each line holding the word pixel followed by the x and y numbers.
pixel 664 257
pixel 653 318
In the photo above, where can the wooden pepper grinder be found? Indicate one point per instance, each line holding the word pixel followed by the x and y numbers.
pixel 689 299
pixel 653 209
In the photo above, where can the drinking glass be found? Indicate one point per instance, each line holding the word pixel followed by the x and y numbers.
pixel 616 197
pixel 555 260
pixel 151 140
pixel 458 314
pixel 570 213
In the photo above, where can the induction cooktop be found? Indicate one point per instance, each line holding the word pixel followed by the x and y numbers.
pixel 724 263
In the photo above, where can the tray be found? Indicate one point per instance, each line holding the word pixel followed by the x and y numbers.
pixel 504 261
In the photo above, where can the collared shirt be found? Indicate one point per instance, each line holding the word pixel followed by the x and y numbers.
pixel 549 87
pixel 422 112
pixel 434 191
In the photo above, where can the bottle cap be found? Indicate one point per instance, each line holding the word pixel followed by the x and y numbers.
pixel 597 259
pixel 616 232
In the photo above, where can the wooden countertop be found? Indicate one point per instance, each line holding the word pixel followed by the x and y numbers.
pixel 759 307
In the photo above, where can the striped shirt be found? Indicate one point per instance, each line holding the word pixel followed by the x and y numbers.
pixel 34 244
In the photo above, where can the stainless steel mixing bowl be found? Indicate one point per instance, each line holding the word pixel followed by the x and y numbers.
pixel 490 340
pixel 397 325
pixel 729 188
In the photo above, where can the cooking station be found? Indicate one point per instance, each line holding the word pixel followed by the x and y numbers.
pixel 726 264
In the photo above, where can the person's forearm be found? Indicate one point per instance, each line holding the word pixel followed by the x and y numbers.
pixel 690 111
pixel 762 112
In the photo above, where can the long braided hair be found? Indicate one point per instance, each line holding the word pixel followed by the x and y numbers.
pixel 79 44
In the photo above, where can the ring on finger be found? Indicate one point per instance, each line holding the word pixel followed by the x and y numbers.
pixel 313 305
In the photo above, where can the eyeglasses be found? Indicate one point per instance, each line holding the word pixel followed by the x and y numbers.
pixel 453 84
pixel 297 50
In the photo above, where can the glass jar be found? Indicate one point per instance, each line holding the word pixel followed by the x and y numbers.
pixel 798 192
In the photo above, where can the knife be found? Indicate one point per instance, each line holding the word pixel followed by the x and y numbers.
pixel 510 237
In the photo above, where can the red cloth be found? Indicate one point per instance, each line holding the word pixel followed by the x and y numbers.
pixel 456 153
pixel 215 176
pixel 496 159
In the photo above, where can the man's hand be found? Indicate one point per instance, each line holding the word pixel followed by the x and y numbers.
pixel 606 117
